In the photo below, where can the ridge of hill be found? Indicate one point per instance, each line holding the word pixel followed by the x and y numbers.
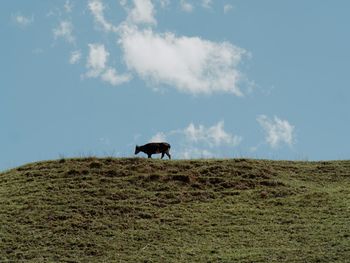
pixel 141 210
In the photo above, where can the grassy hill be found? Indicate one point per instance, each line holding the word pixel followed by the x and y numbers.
pixel 140 210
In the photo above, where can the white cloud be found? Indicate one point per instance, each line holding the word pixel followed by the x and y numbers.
pixel 159 137
pixel 164 3
pixel 97 66
pixel 186 6
pixel 75 57
pixel 68 6
pixel 112 77
pixel 227 8
pixel 97 9
pixel 190 64
pixel 22 21
pixel 199 141
pixel 97 59
pixel 277 131
pixel 142 13
pixel 123 2
pixel 206 3
pixel 65 31
pixel 212 136
pixel 193 152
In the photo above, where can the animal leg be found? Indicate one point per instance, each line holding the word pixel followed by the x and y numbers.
pixel 150 156
pixel 162 156
pixel 168 154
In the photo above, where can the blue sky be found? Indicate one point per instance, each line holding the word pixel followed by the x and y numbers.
pixel 223 78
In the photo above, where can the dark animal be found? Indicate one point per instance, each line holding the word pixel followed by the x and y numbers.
pixel 153 148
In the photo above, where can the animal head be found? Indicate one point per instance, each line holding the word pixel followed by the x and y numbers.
pixel 137 149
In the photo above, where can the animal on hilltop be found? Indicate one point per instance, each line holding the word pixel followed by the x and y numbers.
pixel 154 148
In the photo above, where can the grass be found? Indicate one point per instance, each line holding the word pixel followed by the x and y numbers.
pixel 140 210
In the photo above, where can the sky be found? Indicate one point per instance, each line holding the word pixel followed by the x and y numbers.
pixel 214 78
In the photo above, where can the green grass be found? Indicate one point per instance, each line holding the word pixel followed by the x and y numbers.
pixel 140 210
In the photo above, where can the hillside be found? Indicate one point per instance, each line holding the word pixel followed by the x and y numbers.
pixel 140 210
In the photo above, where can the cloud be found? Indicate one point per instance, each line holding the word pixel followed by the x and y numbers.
pixel 22 21
pixel 212 136
pixel 112 77
pixel 193 152
pixel 159 137
pixel 65 31
pixel 97 66
pixel 75 57
pixel 97 59
pixel 199 141
pixel 97 8
pixel 142 13
pixel 186 6
pixel 227 8
pixel 164 3
pixel 68 6
pixel 123 2
pixel 277 131
pixel 206 3
pixel 190 64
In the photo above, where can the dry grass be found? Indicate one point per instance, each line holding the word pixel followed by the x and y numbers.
pixel 140 210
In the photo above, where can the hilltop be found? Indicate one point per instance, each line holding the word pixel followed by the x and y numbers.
pixel 140 210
